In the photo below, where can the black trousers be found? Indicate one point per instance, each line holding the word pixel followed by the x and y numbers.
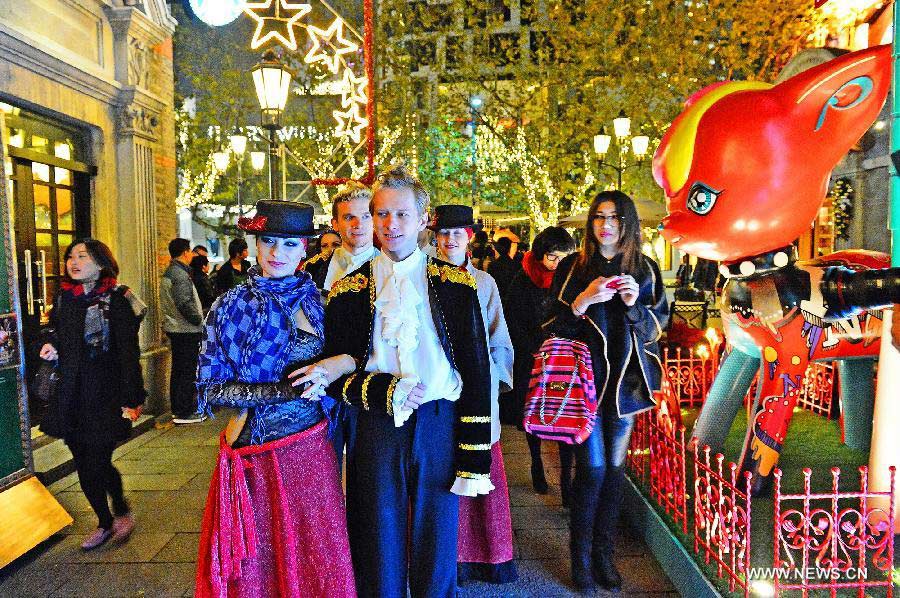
pixel 183 381
pixel 401 516
pixel 599 480
pixel 99 480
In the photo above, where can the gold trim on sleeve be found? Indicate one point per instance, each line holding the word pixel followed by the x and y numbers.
pixel 475 419
pixel 473 476
pixel 365 390
pixel 390 396
pixel 475 447
pixel 347 387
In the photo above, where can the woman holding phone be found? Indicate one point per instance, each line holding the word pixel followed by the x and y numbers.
pixel 611 297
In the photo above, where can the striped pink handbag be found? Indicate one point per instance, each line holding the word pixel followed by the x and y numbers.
pixel 561 403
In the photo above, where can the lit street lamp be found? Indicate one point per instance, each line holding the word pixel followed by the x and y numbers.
pixel 258 160
pixel 238 147
pixel 272 81
pixel 475 102
pixel 220 161
pixel 622 129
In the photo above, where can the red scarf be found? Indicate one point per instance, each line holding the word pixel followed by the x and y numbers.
pixel 76 289
pixel 536 271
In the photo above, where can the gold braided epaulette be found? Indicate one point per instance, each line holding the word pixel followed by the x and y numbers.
pixel 354 283
pixel 316 258
pixel 453 274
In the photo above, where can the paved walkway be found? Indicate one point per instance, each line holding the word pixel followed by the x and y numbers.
pixel 167 473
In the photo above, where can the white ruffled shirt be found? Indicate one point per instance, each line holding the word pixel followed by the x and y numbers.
pixel 343 262
pixel 406 343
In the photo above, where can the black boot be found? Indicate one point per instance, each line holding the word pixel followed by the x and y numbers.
pixel 605 524
pixel 585 494
pixel 566 454
pixel 538 480
pixel 605 572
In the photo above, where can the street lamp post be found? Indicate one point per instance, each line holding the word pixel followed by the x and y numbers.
pixel 622 129
pixel 238 147
pixel 475 102
pixel 272 81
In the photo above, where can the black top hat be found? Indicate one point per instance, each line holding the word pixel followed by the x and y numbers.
pixel 276 218
pixel 452 216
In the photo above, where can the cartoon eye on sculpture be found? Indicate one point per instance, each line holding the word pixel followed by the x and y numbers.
pixel 745 168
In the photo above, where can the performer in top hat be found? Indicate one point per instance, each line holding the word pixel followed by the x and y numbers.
pixel 485 525
pixel 274 522
pixel 415 360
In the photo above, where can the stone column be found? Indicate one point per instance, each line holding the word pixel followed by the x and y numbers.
pixel 140 113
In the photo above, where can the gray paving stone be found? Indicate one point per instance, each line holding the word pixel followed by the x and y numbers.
pixel 539 517
pixel 182 548
pixel 155 481
pixel 23 579
pixel 141 547
pixel 114 579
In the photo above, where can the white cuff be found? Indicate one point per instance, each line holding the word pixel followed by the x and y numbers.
pixel 401 391
pixel 469 487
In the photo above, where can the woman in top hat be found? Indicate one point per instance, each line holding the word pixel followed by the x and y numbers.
pixel 274 522
pixel 485 526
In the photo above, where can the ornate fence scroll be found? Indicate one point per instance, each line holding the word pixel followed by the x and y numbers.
pixel 722 517
pixel 667 465
pixel 689 376
pixel 833 540
pixel 818 388
pixel 638 458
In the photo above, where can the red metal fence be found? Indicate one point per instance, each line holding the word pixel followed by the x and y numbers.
pixel 667 465
pixel 722 516
pixel 833 540
pixel 689 377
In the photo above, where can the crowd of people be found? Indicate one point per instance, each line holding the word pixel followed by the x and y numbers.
pixel 399 348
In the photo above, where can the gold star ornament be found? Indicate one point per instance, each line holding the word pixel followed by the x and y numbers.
pixel 350 123
pixel 275 20
pixel 325 39
pixel 353 89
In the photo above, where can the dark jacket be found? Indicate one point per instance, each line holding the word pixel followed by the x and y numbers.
pixel 524 305
pixel 504 269
pixel 227 277
pixel 349 326
pixel 641 328
pixel 204 287
pixel 91 391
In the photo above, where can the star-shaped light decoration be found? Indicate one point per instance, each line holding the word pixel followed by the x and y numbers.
pixel 275 19
pixel 333 37
pixel 353 89
pixel 346 120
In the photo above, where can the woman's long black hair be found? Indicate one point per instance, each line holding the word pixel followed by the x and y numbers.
pixel 629 245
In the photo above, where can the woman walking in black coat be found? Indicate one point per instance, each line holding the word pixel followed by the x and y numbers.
pixel 525 301
pixel 611 297
pixel 94 335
